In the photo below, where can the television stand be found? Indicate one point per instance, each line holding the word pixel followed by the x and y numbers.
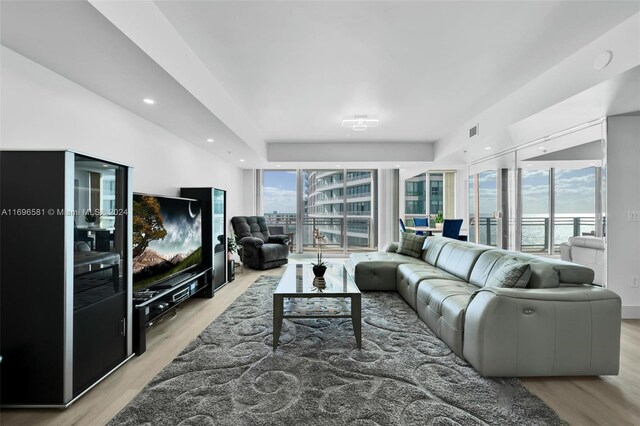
pixel 151 305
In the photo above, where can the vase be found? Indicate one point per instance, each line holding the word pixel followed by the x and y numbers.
pixel 319 271
pixel 439 225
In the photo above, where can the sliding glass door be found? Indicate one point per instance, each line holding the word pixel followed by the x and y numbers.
pixel 491 186
pixel 340 203
pixel 562 190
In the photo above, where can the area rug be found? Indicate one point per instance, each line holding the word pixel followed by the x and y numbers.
pixel 403 375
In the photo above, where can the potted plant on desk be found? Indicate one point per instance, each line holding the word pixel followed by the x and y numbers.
pixel 91 218
pixel 320 267
pixel 438 219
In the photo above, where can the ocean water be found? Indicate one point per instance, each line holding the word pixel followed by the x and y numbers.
pixel 534 230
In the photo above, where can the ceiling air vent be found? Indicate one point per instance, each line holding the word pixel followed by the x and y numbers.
pixel 474 130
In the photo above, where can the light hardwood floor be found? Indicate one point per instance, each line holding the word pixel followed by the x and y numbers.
pixel 607 400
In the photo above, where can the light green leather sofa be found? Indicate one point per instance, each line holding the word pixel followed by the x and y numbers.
pixel 558 325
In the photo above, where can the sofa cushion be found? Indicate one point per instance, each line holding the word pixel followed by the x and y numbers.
pixel 410 275
pixel 441 305
pixel 410 244
pixel 432 248
pixel 548 272
pixel 376 271
pixel 459 258
pixel 512 274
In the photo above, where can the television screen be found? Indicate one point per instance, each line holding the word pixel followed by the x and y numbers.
pixel 167 238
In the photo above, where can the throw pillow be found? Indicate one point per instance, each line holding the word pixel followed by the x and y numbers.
pixel 411 244
pixel 512 273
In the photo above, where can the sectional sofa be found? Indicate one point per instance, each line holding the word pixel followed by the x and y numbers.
pixel 556 324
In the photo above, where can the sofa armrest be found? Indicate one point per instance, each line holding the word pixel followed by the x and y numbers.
pixel 565 252
pixel 390 247
pixel 543 332
pixel 251 241
pixel 278 239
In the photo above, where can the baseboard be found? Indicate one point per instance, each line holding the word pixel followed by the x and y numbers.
pixel 631 312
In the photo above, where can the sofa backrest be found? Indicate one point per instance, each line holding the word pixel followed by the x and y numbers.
pixel 432 247
pixel 454 256
pixel 545 272
pixel 458 258
pixel 250 226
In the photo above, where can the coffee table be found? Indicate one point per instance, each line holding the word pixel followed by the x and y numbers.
pixel 341 298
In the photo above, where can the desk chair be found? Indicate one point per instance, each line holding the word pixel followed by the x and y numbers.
pixel 451 228
pixel 420 221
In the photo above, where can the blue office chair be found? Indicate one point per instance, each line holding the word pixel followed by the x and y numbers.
pixel 420 221
pixel 451 228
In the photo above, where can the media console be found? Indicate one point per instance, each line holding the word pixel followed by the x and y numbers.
pixel 158 300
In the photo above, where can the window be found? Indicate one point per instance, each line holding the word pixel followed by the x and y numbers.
pixel 347 226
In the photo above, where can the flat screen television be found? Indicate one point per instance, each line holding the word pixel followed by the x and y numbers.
pixel 167 238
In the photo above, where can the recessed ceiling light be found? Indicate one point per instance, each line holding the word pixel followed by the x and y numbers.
pixel 210 140
pixel 105 165
pixel 278 165
pixel 487 147
pixel 397 165
pixel 242 160
pixel 603 60
pixel 148 101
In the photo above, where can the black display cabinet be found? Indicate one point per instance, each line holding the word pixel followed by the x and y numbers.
pixel 65 280
pixel 214 235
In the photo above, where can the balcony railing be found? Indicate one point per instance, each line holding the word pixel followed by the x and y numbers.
pixel 535 231
pixel 357 236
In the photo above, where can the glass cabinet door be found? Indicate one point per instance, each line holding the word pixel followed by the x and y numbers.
pixel 220 239
pixel 100 200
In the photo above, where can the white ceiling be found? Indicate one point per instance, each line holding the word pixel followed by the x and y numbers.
pixel 298 68
pixel 295 69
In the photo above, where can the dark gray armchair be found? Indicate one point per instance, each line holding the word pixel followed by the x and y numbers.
pixel 261 250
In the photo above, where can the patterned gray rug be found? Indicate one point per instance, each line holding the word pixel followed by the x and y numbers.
pixel 403 375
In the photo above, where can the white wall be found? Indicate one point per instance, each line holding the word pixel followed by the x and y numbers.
pixel 623 187
pixel 42 110
pixel 571 76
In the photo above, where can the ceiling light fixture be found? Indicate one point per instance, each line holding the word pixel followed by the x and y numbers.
pixel 360 123
pixel 278 165
pixel 242 160
pixel 210 140
pixel 148 101
pixel 487 147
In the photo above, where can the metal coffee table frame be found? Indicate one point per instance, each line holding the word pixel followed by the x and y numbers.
pixel 297 283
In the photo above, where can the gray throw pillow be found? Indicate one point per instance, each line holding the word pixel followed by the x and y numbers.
pixel 411 244
pixel 512 273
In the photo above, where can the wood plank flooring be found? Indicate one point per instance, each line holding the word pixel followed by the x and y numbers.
pixel 611 400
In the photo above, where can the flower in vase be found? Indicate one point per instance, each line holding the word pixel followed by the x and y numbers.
pixel 319 239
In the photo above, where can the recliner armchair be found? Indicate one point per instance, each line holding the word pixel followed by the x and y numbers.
pixel 261 250
pixel 589 252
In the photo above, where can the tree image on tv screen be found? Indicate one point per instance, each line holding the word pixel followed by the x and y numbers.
pixel 147 224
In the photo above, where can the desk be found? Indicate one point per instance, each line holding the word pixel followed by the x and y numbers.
pixel 426 229
pixel 103 236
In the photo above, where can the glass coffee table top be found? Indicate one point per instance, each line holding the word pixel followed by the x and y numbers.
pixel 298 281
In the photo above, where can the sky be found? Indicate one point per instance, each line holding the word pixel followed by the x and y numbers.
pixel 279 191
pixel 575 193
